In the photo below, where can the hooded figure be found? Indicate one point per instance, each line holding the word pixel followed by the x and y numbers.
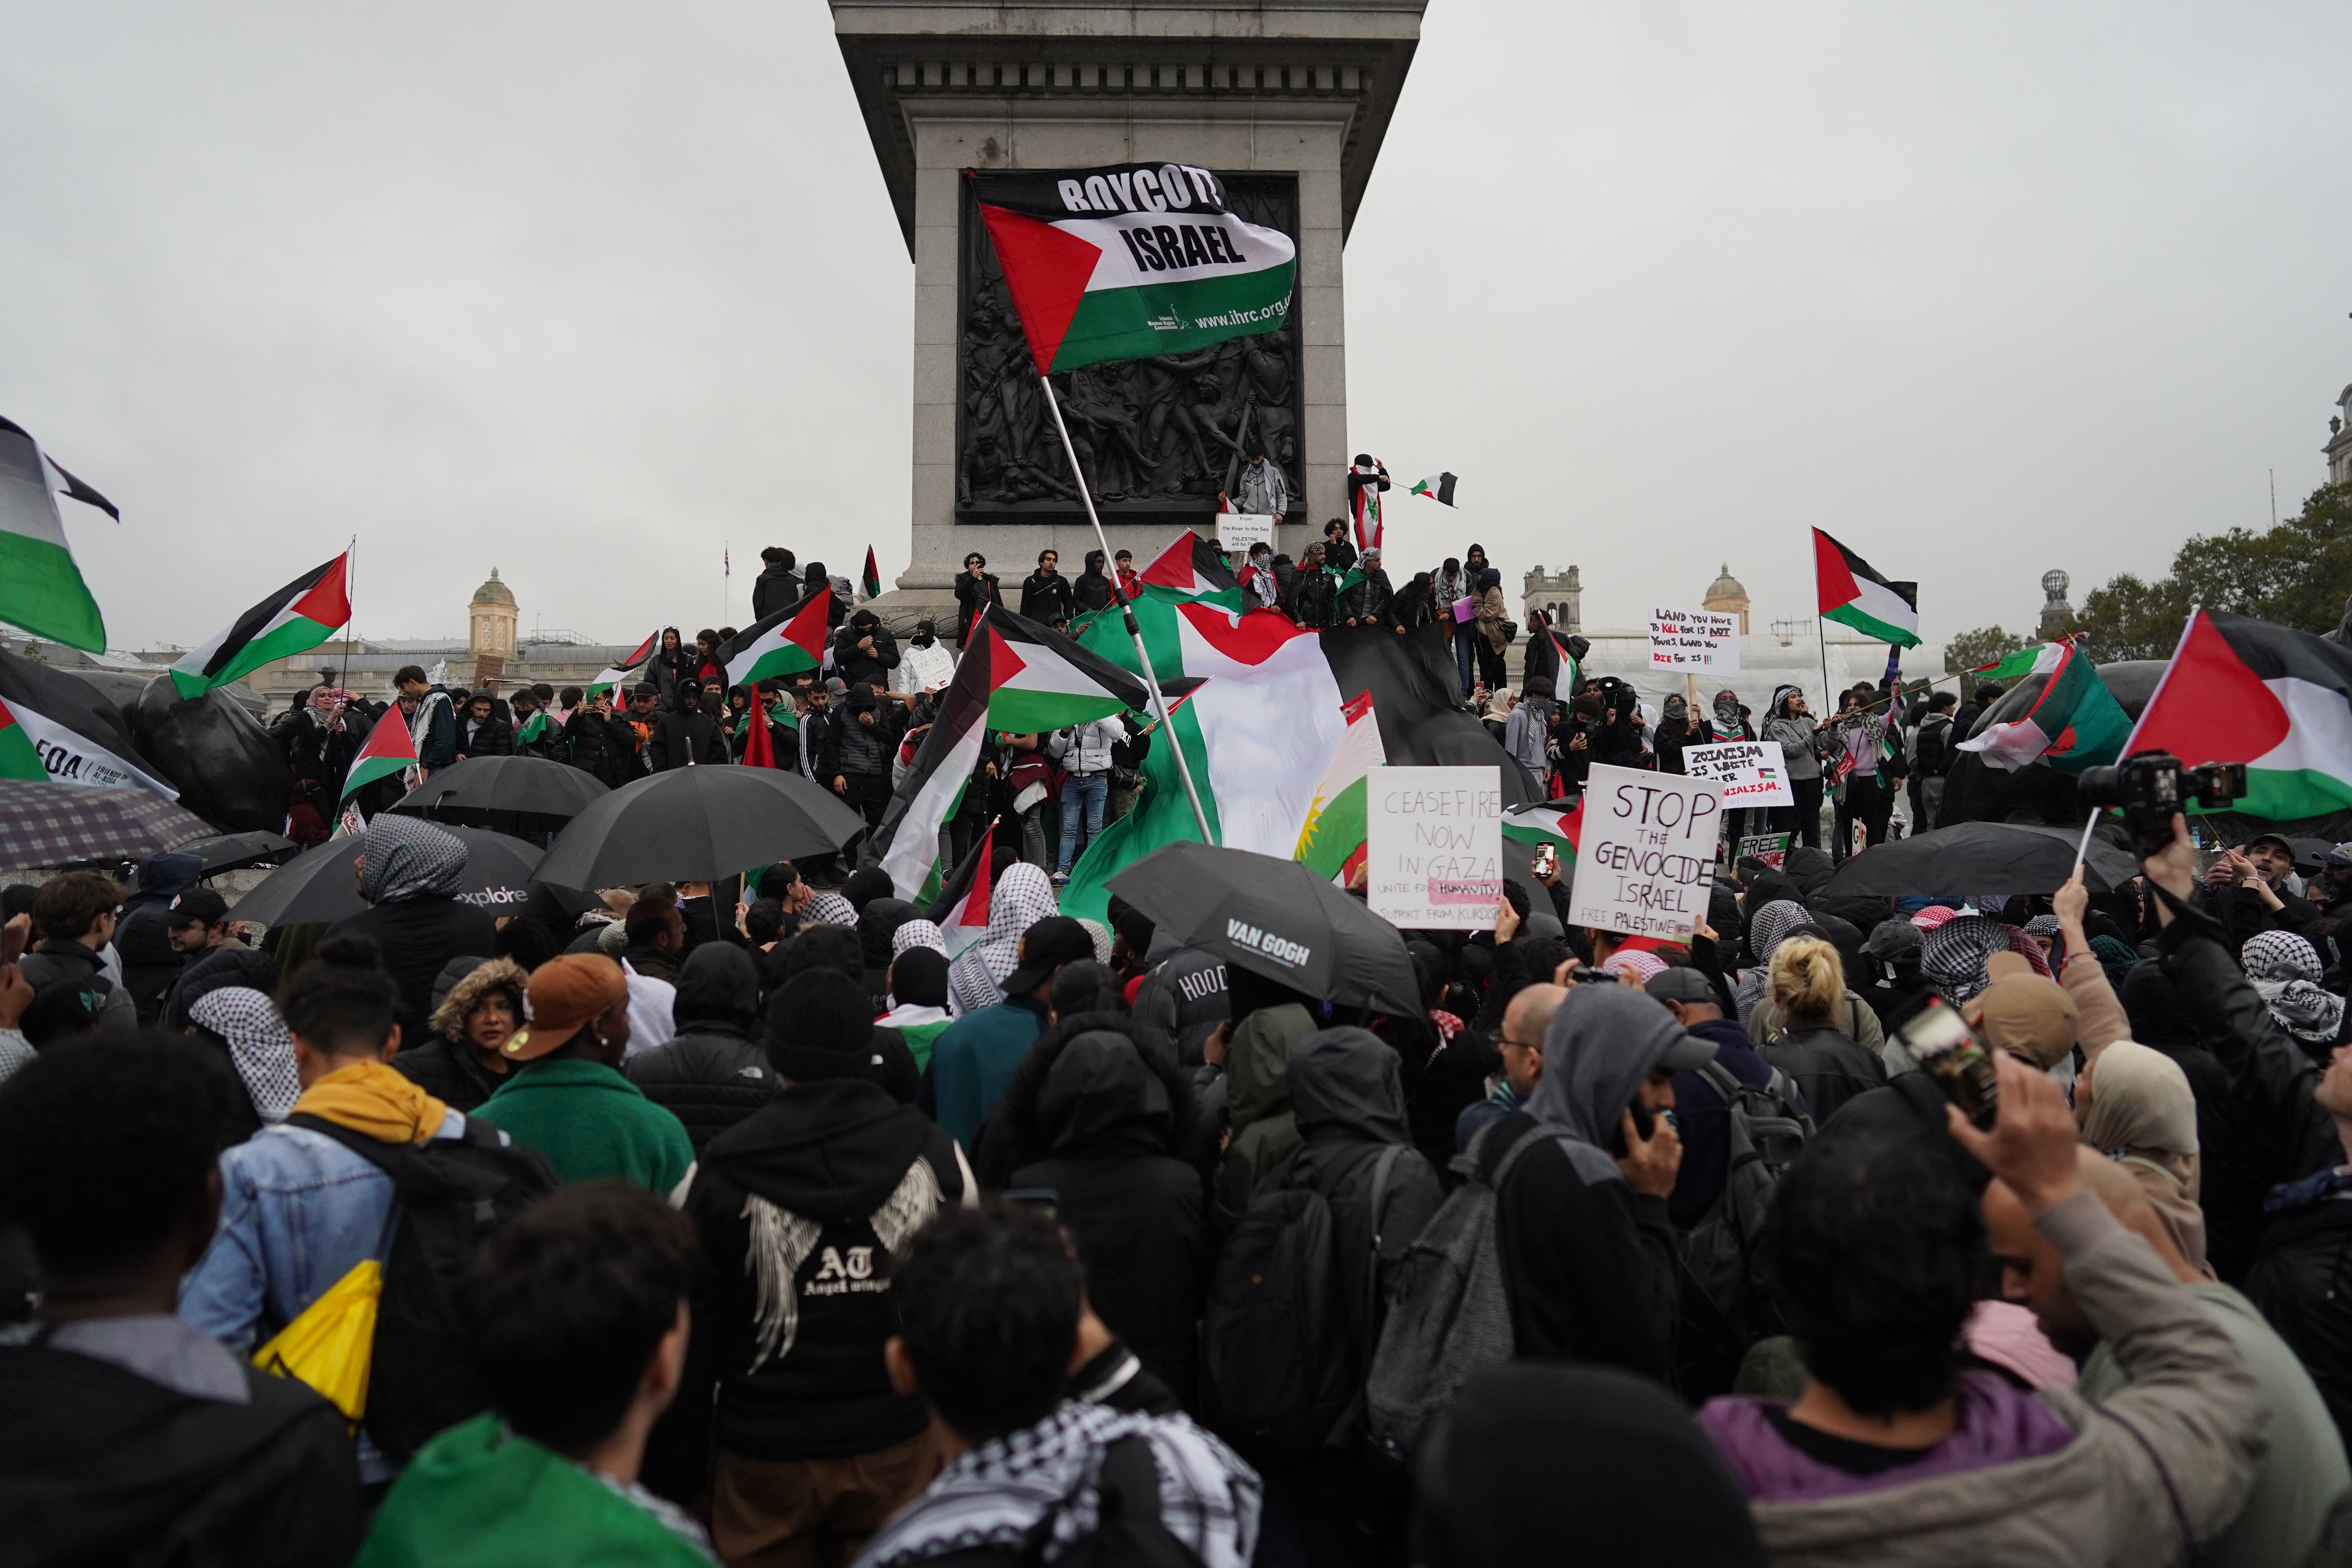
pixel 1590 1267
pixel 800 1208
pixel 246 1022
pixel 713 1072
pixel 1022 897
pixel 877 922
pixel 1091 1117
pixel 1766 928
pixel 1347 1096
pixel 411 873
pixel 814 581
pixel 864 651
pixel 450 1065
pixel 1531 1454
pixel 1268 1020
pixel 2285 969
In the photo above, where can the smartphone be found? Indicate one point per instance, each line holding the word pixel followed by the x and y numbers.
pixel 1547 861
pixel 1948 1051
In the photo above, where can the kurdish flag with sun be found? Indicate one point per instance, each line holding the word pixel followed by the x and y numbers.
pixel 1332 843
pixel 297 617
pixel 1131 260
pixel 785 642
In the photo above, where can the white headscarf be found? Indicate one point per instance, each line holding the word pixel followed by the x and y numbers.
pixel 1022 897
pixel 258 1046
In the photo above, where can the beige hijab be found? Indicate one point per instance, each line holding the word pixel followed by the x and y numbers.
pixel 2143 1116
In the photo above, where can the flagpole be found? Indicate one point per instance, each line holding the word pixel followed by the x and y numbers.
pixel 350 577
pixel 1118 596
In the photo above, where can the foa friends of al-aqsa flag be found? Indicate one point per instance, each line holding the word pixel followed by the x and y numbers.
pixel 1131 260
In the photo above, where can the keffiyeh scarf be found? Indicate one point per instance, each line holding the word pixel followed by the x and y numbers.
pixel 1953 956
pixel 405 858
pixel 917 933
pixel 1000 1492
pixel 830 909
pixel 2285 969
pixel 258 1046
pixel 1022 897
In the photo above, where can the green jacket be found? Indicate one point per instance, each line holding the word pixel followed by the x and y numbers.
pixel 2302 1490
pixel 591 1122
pixel 479 1495
pixel 1257 1077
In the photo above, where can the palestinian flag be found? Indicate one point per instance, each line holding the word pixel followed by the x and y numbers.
pixel 960 911
pixel 2015 665
pixel 1132 260
pixel 790 640
pixel 626 670
pixel 1365 483
pixel 75 735
pixel 1437 487
pixel 536 730
pixel 2073 725
pixel 41 589
pixel 1039 679
pixel 1548 822
pixel 1332 842
pixel 19 758
pixel 1854 594
pixel 1191 566
pixel 2242 691
pixel 300 615
pixel 906 843
pixel 388 751
pixel 873 575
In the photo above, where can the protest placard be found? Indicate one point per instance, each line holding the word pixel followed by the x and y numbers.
pixel 1237 531
pixel 1433 846
pixel 1752 773
pixel 1772 848
pixel 1695 639
pixel 1645 864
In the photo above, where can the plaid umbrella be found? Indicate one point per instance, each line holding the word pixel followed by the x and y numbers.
pixel 44 824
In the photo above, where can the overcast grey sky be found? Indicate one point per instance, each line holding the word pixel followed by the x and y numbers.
pixel 581 291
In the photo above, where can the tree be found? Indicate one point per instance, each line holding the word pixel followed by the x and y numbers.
pixel 2296 574
pixel 1973 651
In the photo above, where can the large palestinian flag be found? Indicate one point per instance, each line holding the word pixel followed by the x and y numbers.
pixel 616 674
pixel 1332 843
pixel 388 750
pixel 785 642
pixel 2242 691
pixel 2074 723
pixel 1013 676
pixel 41 589
pixel 300 615
pixel 1854 594
pixel 72 734
pixel 1131 260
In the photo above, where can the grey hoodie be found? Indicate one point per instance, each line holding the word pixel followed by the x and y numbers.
pixel 1602 1043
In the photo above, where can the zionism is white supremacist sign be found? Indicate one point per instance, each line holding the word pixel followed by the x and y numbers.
pixel 1433 846
pixel 1752 773
pixel 1646 862
pixel 1695 639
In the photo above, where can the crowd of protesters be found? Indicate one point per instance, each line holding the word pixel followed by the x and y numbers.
pixel 760 1224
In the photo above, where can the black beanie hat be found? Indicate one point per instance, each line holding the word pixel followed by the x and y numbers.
pixel 820 1024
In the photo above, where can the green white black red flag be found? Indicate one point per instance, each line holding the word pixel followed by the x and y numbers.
pixel 300 615
pixel 1131 260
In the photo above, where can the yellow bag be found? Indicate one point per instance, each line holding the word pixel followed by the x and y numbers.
pixel 331 1344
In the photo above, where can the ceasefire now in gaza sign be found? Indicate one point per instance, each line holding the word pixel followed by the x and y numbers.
pixel 1433 846
pixel 1646 862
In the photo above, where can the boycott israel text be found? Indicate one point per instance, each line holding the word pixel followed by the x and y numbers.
pixel 1648 861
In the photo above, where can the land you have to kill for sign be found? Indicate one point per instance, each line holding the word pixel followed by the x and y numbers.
pixel 1646 863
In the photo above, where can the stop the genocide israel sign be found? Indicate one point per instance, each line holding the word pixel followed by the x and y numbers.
pixel 1646 863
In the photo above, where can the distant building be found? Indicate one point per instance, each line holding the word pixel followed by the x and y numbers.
pixel 491 630
pixel 2339 441
pixel 1726 597
pixel 1557 594
pixel 2057 615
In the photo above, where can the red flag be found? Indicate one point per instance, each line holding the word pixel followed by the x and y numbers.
pixel 759 746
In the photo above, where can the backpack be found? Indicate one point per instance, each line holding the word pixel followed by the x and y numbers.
pixel 1721 1257
pixel 1932 746
pixel 1282 1375
pixel 447 1193
pixel 1447 1313
pixel 1128 1532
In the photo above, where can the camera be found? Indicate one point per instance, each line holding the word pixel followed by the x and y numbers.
pixel 2151 786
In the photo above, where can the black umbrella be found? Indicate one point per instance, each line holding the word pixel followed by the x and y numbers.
pixel 504 783
pixel 1979 858
pixel 1274 918
pixel 698 825
pixel 321 884
pixel 229 851
pixel 46 824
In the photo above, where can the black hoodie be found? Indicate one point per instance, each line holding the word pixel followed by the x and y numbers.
pixel 834 1154
pixel 1111 1121
pixel 712 1073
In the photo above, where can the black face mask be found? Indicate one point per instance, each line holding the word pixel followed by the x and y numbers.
pixel 924 639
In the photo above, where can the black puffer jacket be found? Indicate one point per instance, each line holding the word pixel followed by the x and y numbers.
pixel 1107 1122
pixel 1828 1066
pixel 713 1072
pixel 2301 1280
